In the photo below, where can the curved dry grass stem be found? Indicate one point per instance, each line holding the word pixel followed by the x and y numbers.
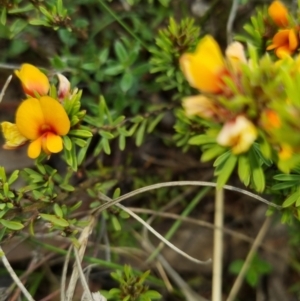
pixel 14 276
pixel 181 183
pixel 232 15
pixel 159 236
pixel 5 87
pixel 64 275
pixel 83 240
pixel 84 284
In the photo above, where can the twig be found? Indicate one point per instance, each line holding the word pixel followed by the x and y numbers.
pixel 5 87
pixel 258 240
pixel 107 199
pixel 180 183
pixel 232 15
pixel 83 240
pixel 218 246
pixel 82 277
pixel 14 276
pixel 64 275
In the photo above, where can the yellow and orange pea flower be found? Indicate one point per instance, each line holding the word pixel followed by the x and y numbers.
pixel 41 121
pixel 238 134
pixel 206 68
pixel 33 80
pixel 286 40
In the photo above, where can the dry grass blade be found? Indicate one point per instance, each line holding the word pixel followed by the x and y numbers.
pixel 14 276
pixel 101 196
pixel 5 87
pixel 83 240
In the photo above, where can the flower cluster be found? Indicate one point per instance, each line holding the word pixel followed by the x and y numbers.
pixel 245 102
pixel 40 119
pixel 207 71
pixel 286 39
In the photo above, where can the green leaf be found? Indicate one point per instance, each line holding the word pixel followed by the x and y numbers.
pixel 67 187
pixel 258 176
pixel 13 177
pixel 225 173
pixel 3 16
pixel 122 142
pixel 116 223
pixel 106 146
pixel 291 200
pixel 126 81
pixel 82 152
pixel 140 133
pixel 152 124
pixel 67 142
pixel 212 152
pixel 121 52
pixel 201 139
pixel 81 133
pixel 57 221
pixel 152 295
pixel 244 171
pixel 106 135
pixel 57 210
pixel 11 224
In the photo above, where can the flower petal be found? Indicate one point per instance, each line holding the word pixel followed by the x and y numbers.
pixel 279 13
pixel 199 105
pixel 204 68
pixel 29 118
pixel 54 143
pixel 13 137
pixel 293 40
pixel 236 55
pixel 55 115
pixel 34 148
pixel 33 80
pixel 64 87
pixel 239 134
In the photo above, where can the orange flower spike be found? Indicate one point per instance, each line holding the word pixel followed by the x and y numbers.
pixel 204 68
pixel 33 80
pixel 279 14
pixel 43 122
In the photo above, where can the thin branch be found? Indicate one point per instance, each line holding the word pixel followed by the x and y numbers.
pixel 82 277
pixel 107 199
pixel 218 246
pixel 239 280
pixel 5 87
pixel 232 15
pixel 83 240
pixel 14 276
pixel 64 275
pixel 180 183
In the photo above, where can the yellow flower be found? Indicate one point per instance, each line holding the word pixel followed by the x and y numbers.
pixel 205 68
pixel 279 14
pixel 239 134
pixel 42 121
pixel 285 42
pixel 13 137
pixel 33 80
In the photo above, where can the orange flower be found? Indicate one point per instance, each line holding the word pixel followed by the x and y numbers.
pixel 279 14
pixel 285 42
pixel 239 134
pixel 42 121
pixel 271 120
pixel 205 68
pixel 33 80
